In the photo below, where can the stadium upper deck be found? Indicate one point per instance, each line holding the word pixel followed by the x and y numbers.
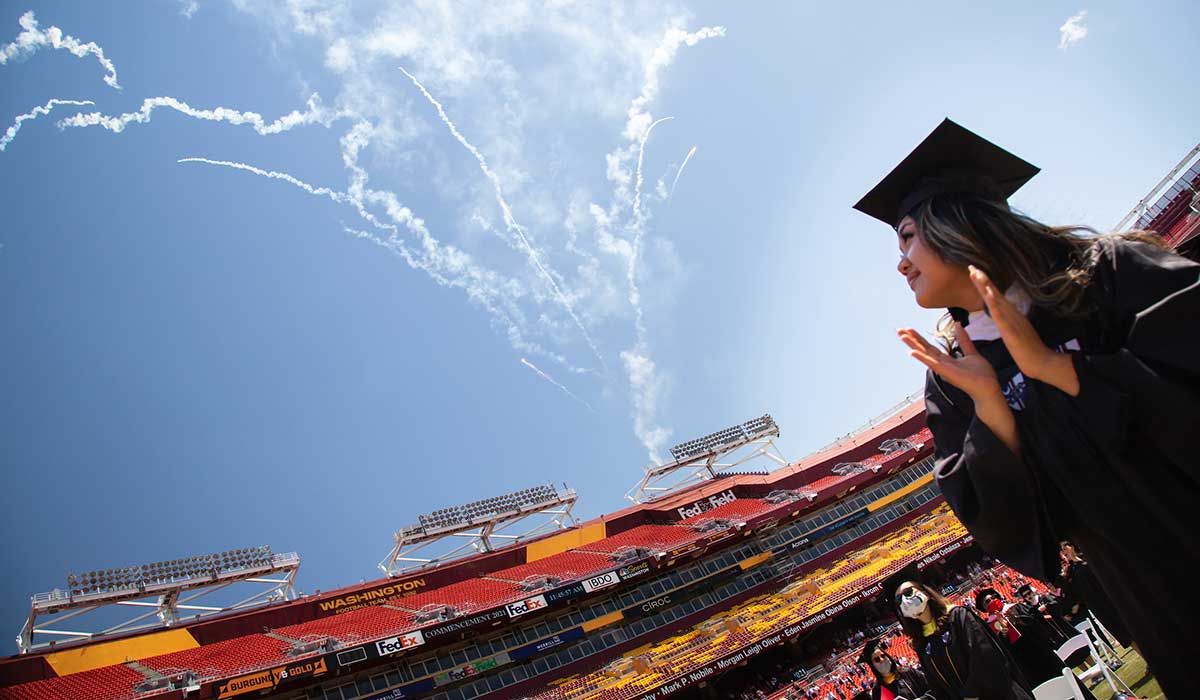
pixel 447 601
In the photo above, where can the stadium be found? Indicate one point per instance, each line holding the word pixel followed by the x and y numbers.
pixel 734 568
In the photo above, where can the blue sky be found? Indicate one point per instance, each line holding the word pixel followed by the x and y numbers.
pixel 198 357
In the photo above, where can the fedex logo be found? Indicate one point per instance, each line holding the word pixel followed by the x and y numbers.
pixel 392 645
pixel 523 607
pixel 706 505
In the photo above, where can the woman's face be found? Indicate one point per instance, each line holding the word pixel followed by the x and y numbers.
pixel 935 283
pixel 880 661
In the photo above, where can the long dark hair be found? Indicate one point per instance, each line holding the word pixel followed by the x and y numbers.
pixel 1051 265
pixel 938 605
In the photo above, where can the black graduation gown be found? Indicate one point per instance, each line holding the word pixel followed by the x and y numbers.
pixel 964 660
pixel 1115 469
pixel 907 683
pixel 1091 598
pixel 1063 630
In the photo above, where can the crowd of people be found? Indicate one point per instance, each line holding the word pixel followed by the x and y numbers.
pixel 1003 626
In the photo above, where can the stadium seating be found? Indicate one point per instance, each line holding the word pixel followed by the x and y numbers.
pixel 567 565
pixel 656 537
pixel 222 659
pixel 757 617
pixel 258 651
pixel 111 683
pixel 466 596
pixel 741 509
pixel 357 625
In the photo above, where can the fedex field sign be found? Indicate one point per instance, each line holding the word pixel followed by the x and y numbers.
pixel 524 607
pixel 707 504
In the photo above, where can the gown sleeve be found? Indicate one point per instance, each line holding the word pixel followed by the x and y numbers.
pixel 989 488
pixel 1150 302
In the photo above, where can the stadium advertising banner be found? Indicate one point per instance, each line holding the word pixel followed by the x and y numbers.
pixel 373 596
pixel 521 653
pixel 824 531
pixel 524 607
pixel 604 580
pixel 838 607
pixel 270 678
pixel 945 551
pixel 696 588
pixel 467 670
pixel 565 593
pixel 706 504
pixel 404 691
pixel 399 643
pixel 466 623
pixel 697 676
pixel 633 570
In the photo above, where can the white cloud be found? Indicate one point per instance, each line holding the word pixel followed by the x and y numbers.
pixel 42 111
pixel 188 7
pixel 33 38
pixel 1072 31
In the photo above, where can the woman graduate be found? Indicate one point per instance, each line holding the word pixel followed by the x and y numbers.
pixel 891 681
pixel 1067 402
pixel 961 658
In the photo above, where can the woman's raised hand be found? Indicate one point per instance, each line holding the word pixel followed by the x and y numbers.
pixel 972 372
pixel 1033 358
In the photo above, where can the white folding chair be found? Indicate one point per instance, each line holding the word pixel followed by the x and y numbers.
pixel 1099 646
pixel 1073 645
pixel 1065 687
pixel 1101 665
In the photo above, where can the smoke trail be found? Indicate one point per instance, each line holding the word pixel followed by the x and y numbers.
pixel 31 39
pixel 315 114
pixel 509 221
pixel 645 384
pixel 446 265
pixel 272 174
pixel 681 167
pixel 43 110
pixel 550 379
pixel 639 229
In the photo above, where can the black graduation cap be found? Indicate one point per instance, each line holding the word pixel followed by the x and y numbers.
pixel 887 595
pixel 982 594
pixel 951 159
pixel 871 646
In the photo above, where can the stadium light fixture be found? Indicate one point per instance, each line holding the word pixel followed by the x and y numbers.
pixel 482 523
pixel 706 457
pixel 157 591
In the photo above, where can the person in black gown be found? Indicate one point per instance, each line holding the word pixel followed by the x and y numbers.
pixel 1065 398
pixel 960 657
pixel 1031 639
pixel 892 681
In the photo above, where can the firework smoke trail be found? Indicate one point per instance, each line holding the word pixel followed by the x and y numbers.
pixel 447 267
pixel 645 384
pixel 509 221
pixel 639 229
pixel 550 379
pixel 336 196
pixel 315 114
pixel 31 39
pixel 681 167
pixel 34 113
